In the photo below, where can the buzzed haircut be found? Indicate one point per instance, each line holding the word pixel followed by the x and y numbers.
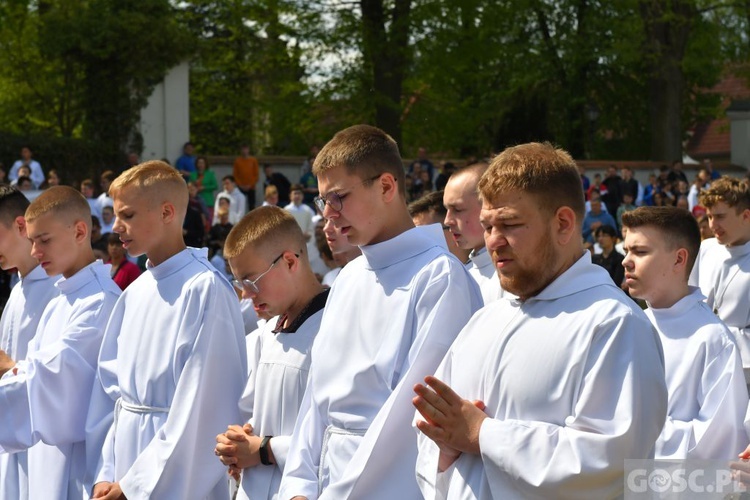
pixel 13 204
pixel 62 201
pixel 478 169
pixel 271 190
pixel 734 192
pixel 677 226
pixel 157 181
pixel 268 229
pixel 540 169
pixel 429 203
pixel 364 151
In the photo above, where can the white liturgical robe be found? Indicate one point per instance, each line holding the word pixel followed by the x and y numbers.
pixel 391 316
pixel 573 383
pixel 18 325
pixel 482 269
pixel 707 391
pixel 278 364
pixel 43 406
pixel 723 275
pixel 172 368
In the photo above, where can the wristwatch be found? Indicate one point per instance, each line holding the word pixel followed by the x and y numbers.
pixel 263 450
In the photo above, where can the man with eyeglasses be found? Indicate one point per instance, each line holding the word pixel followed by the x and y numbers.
pixel 390 318
pixel 462 205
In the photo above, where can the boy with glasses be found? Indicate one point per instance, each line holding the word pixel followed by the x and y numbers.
pixel 173 361
pixel 279 353
pixel 390 318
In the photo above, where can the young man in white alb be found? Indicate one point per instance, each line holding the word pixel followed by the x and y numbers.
pixel 707 392
pixel 546 393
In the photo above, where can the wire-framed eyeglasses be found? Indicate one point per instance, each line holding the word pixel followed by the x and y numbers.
pixel 252 285
pixel 335 200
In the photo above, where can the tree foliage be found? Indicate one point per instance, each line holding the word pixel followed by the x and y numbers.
pixel 602 78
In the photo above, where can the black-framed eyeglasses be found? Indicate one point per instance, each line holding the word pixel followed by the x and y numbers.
pixel 335 200
pixel 252 285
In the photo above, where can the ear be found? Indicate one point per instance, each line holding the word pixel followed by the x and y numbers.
pixel 681 259
pixel 565 226
pixel 290 260
pixel 168 212
pixel 746 215
pixel 20 224
pixel 82 232
pixel 389 187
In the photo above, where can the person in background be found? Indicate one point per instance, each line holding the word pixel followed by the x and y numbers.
pixel 610 259
pixel 123 272
pixel 246 172
pixel 205 181
pixel 35 169
pixel 186 162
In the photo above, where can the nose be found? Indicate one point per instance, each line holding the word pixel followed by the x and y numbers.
pixel 329 212
pixel 35 251
pixel 494 239
pixel 248 294
pixel 449 219
pixel 627 261
pixel 117 226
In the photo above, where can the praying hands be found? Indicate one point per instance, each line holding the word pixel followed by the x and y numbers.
pixel 451 422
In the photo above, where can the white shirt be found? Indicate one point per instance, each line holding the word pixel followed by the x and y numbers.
pixel 104 201
pixel 707 391
pixel 482 269
pixel 37 174
pixel 94 206
pixel 18 325
pixel 573 383
pixel 175 353
pixel 722 274
pixel 47 399
pixel 237 206
pixel 304 217
pixel 390 317
pixel 278 366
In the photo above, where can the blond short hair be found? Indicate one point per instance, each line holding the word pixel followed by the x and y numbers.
pixel 155 179
pixel 364 151
pixel 733 192
pixel 265 229
pixel 62 201
pixel 540 169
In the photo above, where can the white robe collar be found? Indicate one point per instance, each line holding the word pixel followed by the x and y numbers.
pixel 177 262
pixel 404 246
pixel 95 270
pixel 36 274
pixel 479 259
pixel 739 250
pixel 679 308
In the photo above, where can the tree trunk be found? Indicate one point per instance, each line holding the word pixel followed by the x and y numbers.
pixel 386 56
pixel 667 26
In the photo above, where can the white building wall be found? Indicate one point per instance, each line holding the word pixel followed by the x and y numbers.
pixel 740 137
pixel 165 121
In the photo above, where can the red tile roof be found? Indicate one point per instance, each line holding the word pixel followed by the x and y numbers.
pixel 712 138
